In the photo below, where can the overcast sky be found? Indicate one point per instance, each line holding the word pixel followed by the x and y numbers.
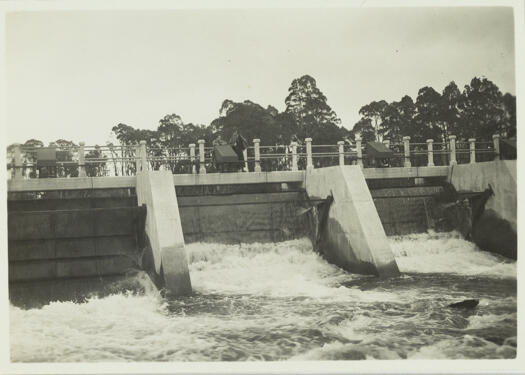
pixel 74 75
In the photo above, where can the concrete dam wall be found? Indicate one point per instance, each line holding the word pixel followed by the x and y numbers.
pixel 76 238
pixel 241 213
pixel 405 210
pixel 103 232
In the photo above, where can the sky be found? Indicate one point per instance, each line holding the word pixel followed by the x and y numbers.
pixel 76 74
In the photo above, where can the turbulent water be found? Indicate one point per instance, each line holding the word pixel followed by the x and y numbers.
pixel 284 302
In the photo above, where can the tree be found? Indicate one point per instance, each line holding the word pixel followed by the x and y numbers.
pixel 113 150
pixel 509 107
pixel 30 155
pixel 252 120
pixel 33 143
pixel 287 127
pixel 365 129
pixel 65 151
pixel 310 110
pixel 482 109
pixel 96 169
pixel 170 130
pixel 374 111
pixel 398 120
pixel 428 120
pixel 450 111
pixel 129 138
pixel 125 134
pixel 167 145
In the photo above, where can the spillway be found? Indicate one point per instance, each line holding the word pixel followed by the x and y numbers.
pixel 283 301
pixel 259 290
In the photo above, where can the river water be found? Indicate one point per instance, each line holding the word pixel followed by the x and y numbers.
pixel 284 302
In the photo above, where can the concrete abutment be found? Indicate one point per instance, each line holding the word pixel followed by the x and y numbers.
pixel 354 238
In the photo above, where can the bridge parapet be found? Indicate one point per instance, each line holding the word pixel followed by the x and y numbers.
pixel 126 160
pixel 284 177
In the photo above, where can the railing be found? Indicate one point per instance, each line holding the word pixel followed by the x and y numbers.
pixel 82 161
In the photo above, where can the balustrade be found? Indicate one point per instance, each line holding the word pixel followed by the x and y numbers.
pixel 126 160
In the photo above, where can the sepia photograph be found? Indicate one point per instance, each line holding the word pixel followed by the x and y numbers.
pixel 261 186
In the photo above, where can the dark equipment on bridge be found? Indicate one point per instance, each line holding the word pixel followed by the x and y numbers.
pixel 378 154
pixel 47 159
pixel 226 158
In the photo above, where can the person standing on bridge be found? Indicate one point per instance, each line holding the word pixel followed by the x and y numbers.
pixel 239 144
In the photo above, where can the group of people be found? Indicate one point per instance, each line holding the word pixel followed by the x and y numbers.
pixel 237 142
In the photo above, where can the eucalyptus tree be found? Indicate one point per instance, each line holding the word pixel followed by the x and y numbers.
pixel 374 112
pixel 482 109
pixel 309 108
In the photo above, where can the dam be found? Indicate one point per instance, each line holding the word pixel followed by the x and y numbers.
pixel 235 251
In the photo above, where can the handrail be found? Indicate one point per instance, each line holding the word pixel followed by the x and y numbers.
pixel 125 160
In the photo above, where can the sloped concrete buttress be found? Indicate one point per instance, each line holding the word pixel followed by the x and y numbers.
pixel 354 238
pixel 164 230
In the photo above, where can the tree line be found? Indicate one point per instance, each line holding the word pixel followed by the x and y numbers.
pixel 307 114
pixel 478 111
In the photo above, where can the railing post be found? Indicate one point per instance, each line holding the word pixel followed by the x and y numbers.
pixel 495 139
pixel 245 156
pixel 472 146
pixel 137 158
pixel 257 155
pixel 430 150
pixel 452 139
pixel 143 156
pixel 359 151
pixel 202 167
pixel 406 146
pixel 192 158
pixel 19 173
pixel 341 145
pixel 294 156
pixel 81 160
pixel 309 161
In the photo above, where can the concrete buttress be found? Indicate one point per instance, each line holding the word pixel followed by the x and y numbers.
pixel 164 230
pixel 354 238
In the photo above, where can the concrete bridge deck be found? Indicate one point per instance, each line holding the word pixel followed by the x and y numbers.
pixel 45 184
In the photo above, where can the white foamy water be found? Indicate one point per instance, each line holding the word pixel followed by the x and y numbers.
pixel 289 268
pixel 283 301
pixel 447 253
pixel 286 269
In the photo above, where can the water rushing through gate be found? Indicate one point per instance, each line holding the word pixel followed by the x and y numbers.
pixel 282 301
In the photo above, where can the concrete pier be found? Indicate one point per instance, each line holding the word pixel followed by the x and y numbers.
pixel 501 175
pixel 163 229
pixel 354 238
pixel 496 229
